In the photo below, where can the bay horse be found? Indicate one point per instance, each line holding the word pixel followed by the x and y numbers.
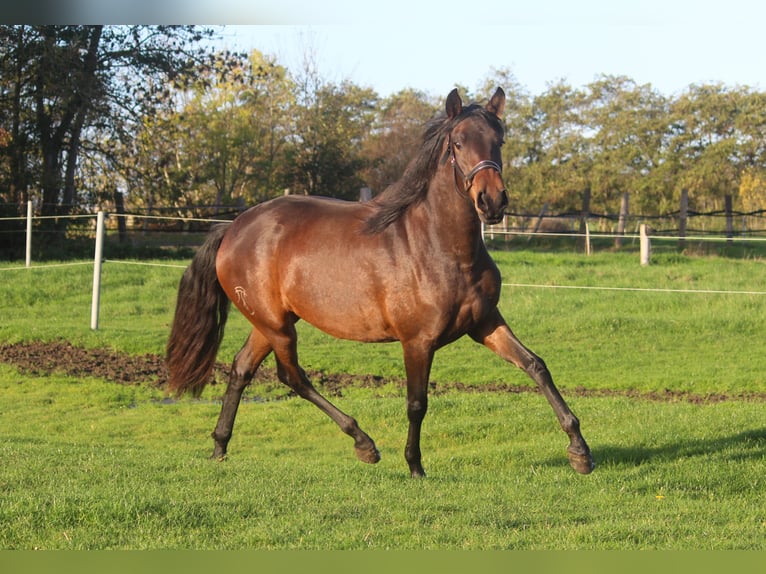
pixel 409 265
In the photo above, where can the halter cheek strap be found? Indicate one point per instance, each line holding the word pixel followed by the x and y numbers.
pixel 468 179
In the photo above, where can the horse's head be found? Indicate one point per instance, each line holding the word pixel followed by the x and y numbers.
pixel 474 152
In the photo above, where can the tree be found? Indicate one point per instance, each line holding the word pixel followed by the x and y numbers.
pixel 705 145
pixel 395 137
pixel 241 121
pixel 331 122
pixel 71 85
pixel 553 165
pixel 752 191
pixel 16 117
pixel 626 134
pixel 221 143
pixel 751 129
pixel 519 150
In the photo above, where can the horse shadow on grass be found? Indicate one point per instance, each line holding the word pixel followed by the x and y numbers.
pixel 742 446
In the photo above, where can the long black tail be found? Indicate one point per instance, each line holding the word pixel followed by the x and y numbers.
pixel 201 312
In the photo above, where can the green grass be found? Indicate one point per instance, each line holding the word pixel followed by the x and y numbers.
pixel 90 464
pixel 624 340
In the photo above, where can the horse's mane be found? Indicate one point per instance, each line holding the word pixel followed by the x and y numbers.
pixel 412 187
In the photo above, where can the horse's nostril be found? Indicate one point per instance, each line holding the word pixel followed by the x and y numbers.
pixel 485 203
pixel 482 201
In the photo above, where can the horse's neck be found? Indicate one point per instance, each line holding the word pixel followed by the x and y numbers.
pixel 453 225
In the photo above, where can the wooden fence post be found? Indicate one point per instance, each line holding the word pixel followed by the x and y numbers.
pixel 119 207
pixel 682 214
pixel 145 222
pixel 622 220
pixel 539 222
pixel 729 219
pixel 646 247
pixel 585 213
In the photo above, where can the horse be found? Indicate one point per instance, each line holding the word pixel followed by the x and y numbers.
pixel 409 265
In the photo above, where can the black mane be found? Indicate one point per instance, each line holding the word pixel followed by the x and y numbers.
pixel 412 187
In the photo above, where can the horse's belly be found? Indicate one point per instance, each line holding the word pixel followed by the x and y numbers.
pixel 347 309
pixel 348 322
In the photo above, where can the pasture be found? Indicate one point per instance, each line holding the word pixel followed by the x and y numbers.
pixel 670 388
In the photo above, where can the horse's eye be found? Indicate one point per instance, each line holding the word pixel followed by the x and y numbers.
pixel 458 146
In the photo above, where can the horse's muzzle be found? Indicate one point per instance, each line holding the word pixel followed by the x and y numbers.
pixel 491 207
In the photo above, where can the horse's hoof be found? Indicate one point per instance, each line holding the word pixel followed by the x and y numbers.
pixel 582 463
pixel 370 454
pixel 218 456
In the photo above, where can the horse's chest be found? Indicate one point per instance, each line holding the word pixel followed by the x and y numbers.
pixel 473 298
pixel 479 302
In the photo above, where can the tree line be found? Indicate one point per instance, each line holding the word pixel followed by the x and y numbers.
pixel 159 120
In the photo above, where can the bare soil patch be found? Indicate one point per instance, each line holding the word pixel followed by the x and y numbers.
pixel 43 358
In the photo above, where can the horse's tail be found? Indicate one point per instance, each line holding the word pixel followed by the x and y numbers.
pixel 201 312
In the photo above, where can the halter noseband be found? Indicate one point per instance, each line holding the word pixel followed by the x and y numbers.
pixel 468 179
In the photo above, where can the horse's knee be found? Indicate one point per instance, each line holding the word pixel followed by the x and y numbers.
pixel 416 409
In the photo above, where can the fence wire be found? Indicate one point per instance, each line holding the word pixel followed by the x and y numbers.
pixel 493 232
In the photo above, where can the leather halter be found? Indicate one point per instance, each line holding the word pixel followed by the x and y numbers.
pixel 468 179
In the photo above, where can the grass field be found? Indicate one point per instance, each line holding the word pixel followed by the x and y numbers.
pixel 96 465
pixel 646 341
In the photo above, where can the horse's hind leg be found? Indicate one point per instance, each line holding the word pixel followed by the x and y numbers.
pixel 245 364
pixel 291 374
pixel 496 335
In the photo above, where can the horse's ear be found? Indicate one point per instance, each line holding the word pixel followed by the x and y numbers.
pixel 454 104
pixel 497 103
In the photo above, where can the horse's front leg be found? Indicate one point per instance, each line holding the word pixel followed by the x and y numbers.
pixel 417 363
pixel 496 335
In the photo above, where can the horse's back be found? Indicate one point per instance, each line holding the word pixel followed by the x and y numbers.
pixel 308 257
pixel 290 225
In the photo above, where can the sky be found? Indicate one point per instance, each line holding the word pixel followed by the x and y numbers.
pixel 433 45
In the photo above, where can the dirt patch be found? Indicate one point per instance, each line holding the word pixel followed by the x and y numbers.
pixel 43 358
pixel 38 358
